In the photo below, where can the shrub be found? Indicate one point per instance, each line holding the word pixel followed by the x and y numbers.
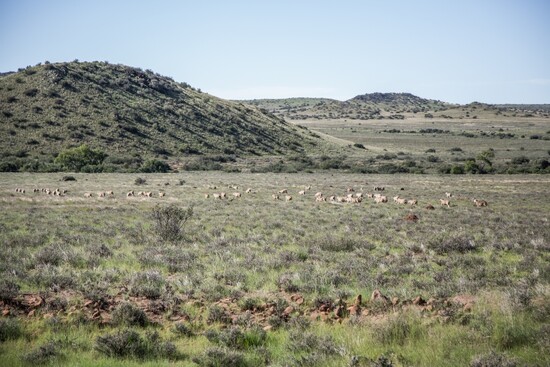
pixel 140 181
pixel 74 159
pixel 122 344
pixel 235 338
pixel 10 329
pixel 154 166
pixel 492 359
pixel 129 315
pixel 130 344
pixel 148 284
pixel 169 221
pixel 217 314
pixel 457 170
pixel 43 353
pixel 8 290
pixel 217 357
pixel 68 178
pixel 520 160
pixel 458 244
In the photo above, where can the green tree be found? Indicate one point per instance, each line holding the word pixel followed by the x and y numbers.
pixel 485 160
pixel 74 159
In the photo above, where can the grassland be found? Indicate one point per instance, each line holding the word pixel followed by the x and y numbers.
pixel 262 282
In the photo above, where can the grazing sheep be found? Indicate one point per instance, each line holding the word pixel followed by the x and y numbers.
pixel 350 189
pixel 412 202
pixel 370 196
pixel 381 199
pixel 445 202
pixel 248 191
pixel 330 198
pixel 318 194
pixel 320 198
pixel 130 193
pixel 288 198
pixel 216 196
pixel 140 193
pixel 308 188
pixel 479 203
pixel 359 195
pixel 395 198
pixel 162 194
pixel 206 196
pixel 275 196
pixel 87 194
pixel 110 193
pixel 101 194
pixel 448 194
pixel 401 201
pixel 283 191
pixel 223 195
pixel 148 194
pixel 303 192
pixel 237 195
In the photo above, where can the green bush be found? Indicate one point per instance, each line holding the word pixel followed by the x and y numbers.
pixel 129 315
pixel 10 329
pixel 130 344
pixel 169 221
pixel 74 159
pixel 155 166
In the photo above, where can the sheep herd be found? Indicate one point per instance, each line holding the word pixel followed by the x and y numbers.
pixel 350 196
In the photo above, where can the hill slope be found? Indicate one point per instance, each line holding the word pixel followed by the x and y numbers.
pixel 131 114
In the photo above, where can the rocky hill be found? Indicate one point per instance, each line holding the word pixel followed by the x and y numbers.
pixel 131 115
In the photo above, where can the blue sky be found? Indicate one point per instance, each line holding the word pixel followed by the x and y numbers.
pixel 456 51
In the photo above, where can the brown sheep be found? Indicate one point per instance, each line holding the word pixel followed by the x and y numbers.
pixel 445 202
pixel 480 203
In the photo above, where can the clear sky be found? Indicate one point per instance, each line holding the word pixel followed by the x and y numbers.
pixel 455 51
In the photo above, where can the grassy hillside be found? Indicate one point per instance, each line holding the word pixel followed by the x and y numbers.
pixel 132 115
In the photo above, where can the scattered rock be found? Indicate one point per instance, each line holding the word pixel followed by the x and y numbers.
pixel 430 207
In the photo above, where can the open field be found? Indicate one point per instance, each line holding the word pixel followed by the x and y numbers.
pixel 262 282
pixel 432 144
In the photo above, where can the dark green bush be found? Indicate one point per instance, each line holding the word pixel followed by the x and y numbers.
pixel 128 314
pixel 130 344
pixel 10 329
pixel 221 357
pixel 74 159
pixel 155 166
pixel 43 354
